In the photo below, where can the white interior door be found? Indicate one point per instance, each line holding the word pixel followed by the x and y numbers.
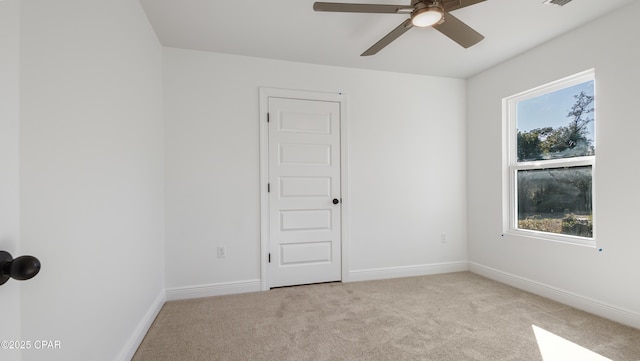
pixel 304 191
pixel 9 170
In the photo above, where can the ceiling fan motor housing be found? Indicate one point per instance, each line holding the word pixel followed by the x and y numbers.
pixel 423 7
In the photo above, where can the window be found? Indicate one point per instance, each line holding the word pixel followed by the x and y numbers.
pixel 551 149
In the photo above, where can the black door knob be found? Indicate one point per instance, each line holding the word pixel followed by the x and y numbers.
pixel 336 201
pixel 21 268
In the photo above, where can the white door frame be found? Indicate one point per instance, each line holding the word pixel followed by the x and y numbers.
pixel 265 94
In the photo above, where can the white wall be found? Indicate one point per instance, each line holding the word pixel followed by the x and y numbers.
pixel 406 166
pixel 581 274
pixel 9 165
pixel 91 159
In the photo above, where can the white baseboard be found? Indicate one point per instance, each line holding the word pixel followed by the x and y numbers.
pixel 135 340
pixel 407 271
pixel 568 298
pixel 215 289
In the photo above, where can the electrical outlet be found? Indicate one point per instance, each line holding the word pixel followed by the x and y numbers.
pixel 222 252
pixel 443 237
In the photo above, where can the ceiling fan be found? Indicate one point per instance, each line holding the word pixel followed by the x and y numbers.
pixel 423 13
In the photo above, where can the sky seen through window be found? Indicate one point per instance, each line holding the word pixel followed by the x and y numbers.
pixel 550 110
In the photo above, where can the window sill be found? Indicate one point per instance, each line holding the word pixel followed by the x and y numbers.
pixel 550 237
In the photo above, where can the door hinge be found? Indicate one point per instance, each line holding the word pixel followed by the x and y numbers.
pixel 268 118
pixel 269 257
pixel 268 187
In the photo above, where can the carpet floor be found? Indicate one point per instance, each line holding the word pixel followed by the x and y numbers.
pixel 456 316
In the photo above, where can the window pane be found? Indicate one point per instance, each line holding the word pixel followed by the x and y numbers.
pixel 557 125
pixel 557 200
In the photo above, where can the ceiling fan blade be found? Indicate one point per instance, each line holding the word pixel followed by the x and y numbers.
pixel 393 35
pixel 459 4
pixel 362 8
pixel 458 31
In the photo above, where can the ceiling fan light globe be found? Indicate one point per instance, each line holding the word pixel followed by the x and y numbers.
pixel 427 17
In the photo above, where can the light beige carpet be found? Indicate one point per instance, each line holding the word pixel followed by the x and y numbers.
pixel 457 316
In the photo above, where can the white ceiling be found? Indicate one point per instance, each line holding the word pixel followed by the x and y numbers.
pixel 291 30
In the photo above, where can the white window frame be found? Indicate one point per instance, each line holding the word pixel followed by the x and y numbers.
pixel 512 166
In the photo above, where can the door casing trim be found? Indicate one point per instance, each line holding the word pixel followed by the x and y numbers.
pixel 265 94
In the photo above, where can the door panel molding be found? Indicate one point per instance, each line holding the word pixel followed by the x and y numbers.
pixel 265 94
